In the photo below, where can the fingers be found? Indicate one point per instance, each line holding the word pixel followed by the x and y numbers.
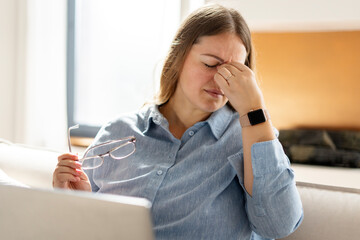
pixel 68 156
pixel 234 71
pixel 239 66
pixel 225 73
pixel 63 175
pixel 238 82
pixel 222 82
pixel 67 170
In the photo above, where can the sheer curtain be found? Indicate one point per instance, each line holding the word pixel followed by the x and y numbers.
pixel 40 84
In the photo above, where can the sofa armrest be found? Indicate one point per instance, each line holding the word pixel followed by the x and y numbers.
pixel 28 165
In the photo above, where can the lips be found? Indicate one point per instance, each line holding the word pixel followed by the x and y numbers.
pixel 214 92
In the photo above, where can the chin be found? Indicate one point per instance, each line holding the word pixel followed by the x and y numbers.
pixel 212 107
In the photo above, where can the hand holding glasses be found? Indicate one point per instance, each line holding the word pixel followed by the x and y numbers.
pixel 116 149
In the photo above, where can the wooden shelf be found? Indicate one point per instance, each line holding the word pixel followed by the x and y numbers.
pixel 81 141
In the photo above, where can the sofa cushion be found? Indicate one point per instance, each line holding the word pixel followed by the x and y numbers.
pixel 330 213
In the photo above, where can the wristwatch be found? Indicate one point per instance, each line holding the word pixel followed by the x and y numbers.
pixel 254 117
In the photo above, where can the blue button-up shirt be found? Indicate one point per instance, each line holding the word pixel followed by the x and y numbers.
pixel 196 183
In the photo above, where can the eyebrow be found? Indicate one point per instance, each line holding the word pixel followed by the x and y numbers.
pixel 214 56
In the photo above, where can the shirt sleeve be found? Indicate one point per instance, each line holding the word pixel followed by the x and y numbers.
pixel 274 209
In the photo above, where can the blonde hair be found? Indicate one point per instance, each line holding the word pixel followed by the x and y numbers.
pixel 206 21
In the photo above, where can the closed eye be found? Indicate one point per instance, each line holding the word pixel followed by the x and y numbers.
pixel 211 66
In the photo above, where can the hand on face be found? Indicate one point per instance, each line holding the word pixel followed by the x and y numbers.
pixel 238 83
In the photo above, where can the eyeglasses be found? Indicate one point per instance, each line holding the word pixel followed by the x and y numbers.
pixel 116 149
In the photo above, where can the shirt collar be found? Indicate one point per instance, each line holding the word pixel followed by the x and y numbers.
pixel 151 114
pixel 218 121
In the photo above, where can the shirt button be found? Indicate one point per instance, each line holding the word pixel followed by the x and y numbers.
pixel 159 172
pixel 191 133
pixel 171 155
pixel 156 121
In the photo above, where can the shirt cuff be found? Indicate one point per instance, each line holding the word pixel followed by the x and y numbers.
pixel 268 157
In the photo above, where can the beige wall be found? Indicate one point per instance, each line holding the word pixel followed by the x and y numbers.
pixel 296 16
pixel 310 79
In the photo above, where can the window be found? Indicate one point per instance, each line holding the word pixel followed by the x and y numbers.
pixel 115 54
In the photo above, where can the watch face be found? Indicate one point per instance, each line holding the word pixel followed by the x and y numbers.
pixel 256 117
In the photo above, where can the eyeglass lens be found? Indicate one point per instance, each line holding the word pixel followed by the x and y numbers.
pixel 123 151
pixel 92 162
pixel 95 158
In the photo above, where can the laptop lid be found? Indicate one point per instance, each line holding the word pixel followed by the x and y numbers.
pixel 59 214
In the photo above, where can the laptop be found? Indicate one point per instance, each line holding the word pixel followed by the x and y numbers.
pixel 27 213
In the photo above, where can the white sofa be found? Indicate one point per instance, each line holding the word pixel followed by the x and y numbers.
pixel 28 165
pixel 330 212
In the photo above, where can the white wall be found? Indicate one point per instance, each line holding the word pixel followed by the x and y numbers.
pixel 8 17
pixel 298 15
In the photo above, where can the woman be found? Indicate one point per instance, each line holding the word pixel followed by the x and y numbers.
pixel 207 156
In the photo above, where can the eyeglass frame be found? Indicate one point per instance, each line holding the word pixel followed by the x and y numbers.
pixel 129 139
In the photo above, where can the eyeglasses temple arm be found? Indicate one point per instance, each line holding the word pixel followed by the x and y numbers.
pixel 70 128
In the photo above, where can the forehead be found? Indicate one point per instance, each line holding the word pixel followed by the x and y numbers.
pixel 227 46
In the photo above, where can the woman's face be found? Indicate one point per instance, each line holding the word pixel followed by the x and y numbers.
pixel 196 89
